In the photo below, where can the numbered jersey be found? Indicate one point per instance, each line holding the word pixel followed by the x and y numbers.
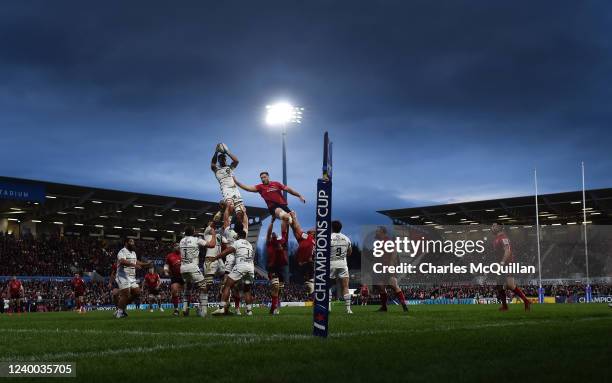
pixel 225 176
pixel 244 252
pixel 340 245
pixel 125 271
pixel 190 250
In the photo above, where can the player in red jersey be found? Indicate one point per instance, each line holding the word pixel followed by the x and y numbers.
pixel 272 194
pixel 15 295
pixel 78 288
pixel 305 255
pixel 365 294
pixel 152 283
pixel 388 259
pixel 276 250
pixel 172 268
pixel 503 250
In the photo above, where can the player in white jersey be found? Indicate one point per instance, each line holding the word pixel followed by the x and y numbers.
pixel 243 271
pixel 190 254
pixel 341 248
pixel 127 263
pixel 213 266
pixel 229 190
pixel 231 236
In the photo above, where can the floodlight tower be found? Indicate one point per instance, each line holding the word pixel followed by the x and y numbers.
pixel 281 115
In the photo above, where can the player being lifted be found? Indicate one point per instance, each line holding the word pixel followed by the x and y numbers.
pixel 172 268
pixel 244 271
pixel 272 194
pixel 229 192
pixel 503 249
pixel 341 248
pixel 152 282
pixel 127 263
pixel 276 249
pixel 190 254
pixel 78 289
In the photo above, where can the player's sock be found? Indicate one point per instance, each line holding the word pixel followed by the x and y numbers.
pixel 310 286
pixel 273 306
pixel 347 301
pixel 203 303
pixel 237 301
pixel 175 302
pixel 383 300
pixel 400 296
pixel 249 307
pixel 520 293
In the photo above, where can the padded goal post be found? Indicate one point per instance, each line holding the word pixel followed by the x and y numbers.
pixel 323 243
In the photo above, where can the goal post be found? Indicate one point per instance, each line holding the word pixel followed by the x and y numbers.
pixel 323 243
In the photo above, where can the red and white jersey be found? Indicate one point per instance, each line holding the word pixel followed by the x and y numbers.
pixel 272 193
pixel 151 280
pixel 173 260
pixel 305 249
pixel 499 246
pixel 15 286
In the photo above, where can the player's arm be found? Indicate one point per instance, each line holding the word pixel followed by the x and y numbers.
pixel 235 161
pixel 224 253
pixel 210 243
pixel 213 162
pixel 349 251
pixel 507 254
pixel 242 186
pixel 294 193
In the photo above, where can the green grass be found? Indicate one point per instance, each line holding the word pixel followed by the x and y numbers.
pixel 560 343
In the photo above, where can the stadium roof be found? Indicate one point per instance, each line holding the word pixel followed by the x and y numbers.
pixel 119 212
pixel 559 208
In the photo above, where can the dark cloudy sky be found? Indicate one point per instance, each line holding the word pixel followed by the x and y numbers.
pixel 426 101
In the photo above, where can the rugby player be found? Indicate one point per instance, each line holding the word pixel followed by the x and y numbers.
pixel 127 263
pixel 341 248
pixel 172 268
pixel 229 192
pixel 244 271
pixel 503 249
pixel 213 267
pixel 230 261
pixel 272 194
pixel 388 259
pixel 190 252
pixel 276 250
pixel 78 289
pixel 152 283
pixel 305 254
pixel 15 295
pixel 365 294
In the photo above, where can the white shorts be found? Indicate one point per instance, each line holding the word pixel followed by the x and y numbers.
pixel 244 272
pixel 230 262
pixel 213 266
pixel 233 194
pixel 125 281
pixel 338 269
pixel 191 273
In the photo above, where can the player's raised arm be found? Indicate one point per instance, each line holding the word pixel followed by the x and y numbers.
pixel 212 242
pixel 235 161
pixel 242 186
pixel 213 162
pixel 295 193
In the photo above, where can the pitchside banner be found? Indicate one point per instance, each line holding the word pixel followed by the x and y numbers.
pixel 321 258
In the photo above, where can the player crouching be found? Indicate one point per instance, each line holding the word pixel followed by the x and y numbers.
pixel 244 270
pixel 152 282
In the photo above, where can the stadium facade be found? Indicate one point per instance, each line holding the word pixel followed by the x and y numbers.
pixel 47 208
pixel 554 209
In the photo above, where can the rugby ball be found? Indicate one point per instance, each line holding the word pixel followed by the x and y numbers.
pixel 222 148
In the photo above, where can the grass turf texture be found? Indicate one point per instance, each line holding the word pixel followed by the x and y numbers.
pixel 431 343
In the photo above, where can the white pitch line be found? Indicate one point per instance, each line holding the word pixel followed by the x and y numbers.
pixel 238 338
